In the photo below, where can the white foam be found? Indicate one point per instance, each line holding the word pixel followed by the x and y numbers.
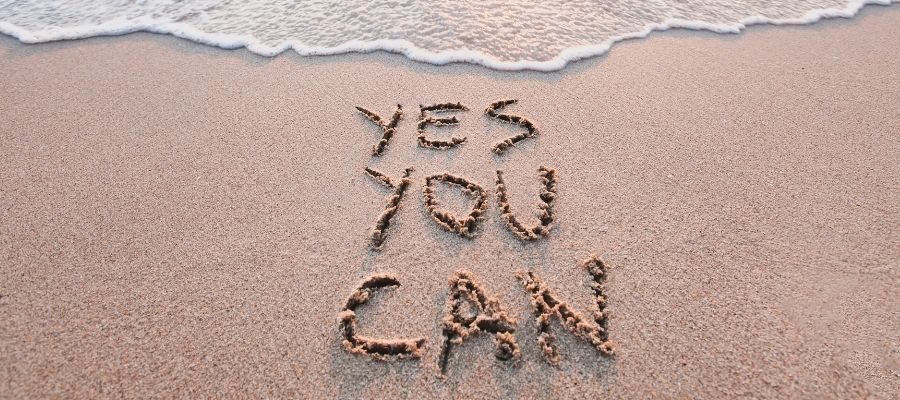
pixel 174 26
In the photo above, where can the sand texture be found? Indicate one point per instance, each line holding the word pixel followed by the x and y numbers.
pixel 183 221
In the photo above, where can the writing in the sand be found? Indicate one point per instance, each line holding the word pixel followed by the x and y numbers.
pixel 470 310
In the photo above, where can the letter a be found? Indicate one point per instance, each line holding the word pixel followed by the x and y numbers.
pixel 490 318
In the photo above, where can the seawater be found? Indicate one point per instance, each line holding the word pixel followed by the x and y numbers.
pixel 501 34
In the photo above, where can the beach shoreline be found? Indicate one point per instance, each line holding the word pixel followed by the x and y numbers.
pixel 178 220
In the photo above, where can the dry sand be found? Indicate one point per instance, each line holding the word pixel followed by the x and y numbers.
pixel 179 221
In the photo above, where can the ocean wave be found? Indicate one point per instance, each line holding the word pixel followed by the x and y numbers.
pixel 197 22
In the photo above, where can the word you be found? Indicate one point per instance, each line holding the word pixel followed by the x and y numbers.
pixel 470 311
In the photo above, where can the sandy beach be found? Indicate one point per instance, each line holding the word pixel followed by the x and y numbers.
pixel 183 221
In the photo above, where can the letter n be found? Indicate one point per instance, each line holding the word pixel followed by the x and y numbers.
pixel 547 306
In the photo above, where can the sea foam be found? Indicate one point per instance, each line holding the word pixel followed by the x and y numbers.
pixel 504 35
